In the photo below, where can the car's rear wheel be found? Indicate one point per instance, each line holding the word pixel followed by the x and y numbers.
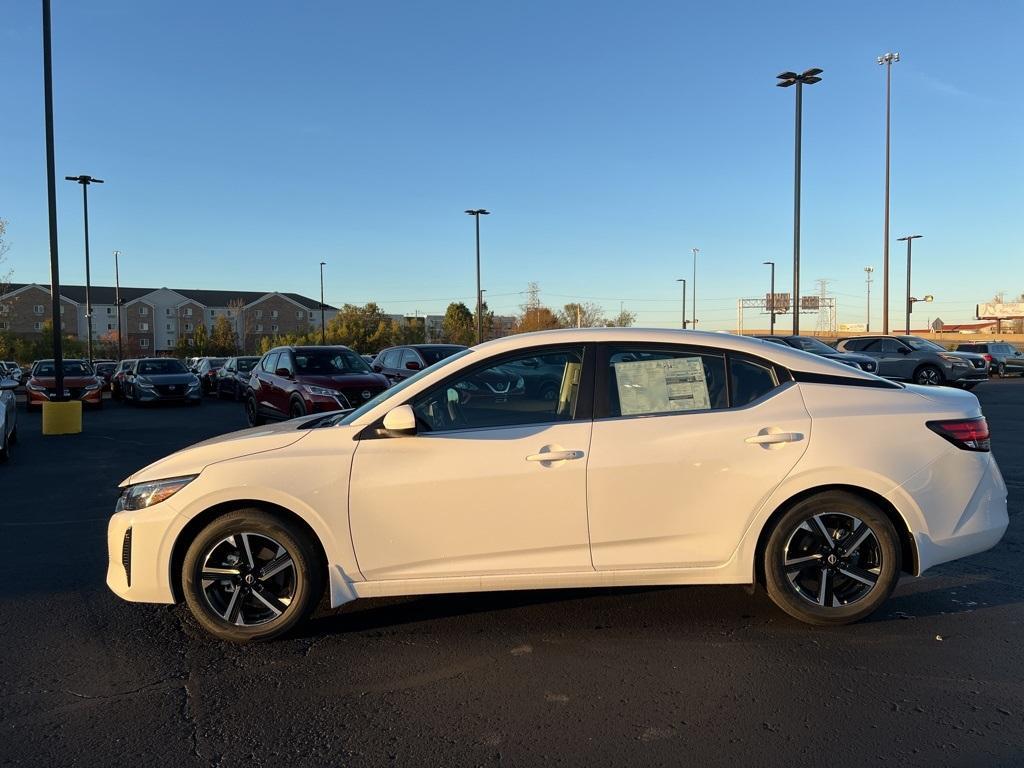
pixel 5 444
pixel 929 375
pixel 249 576
pixel 833 558
pixel 252 413
pixel 1001 370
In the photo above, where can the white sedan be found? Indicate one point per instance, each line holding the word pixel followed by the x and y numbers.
pixel 596 457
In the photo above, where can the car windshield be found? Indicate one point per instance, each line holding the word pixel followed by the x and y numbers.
pixel 71 368
pixel 216 362
pixel 104 367
pixel 246 364
pixel 326 362
pixel 916 343
pixel 387 394
pixel 812 345
pixel 434 354
pixel 161 367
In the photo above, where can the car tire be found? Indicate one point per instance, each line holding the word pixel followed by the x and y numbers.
pixel 1001 370
pixel 296 409
pixel 244 606
pixel 858 569
pixel 252 413
pixel 929 375
pixel 549 392
pixel 5 445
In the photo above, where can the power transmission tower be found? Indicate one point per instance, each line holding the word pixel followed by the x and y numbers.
pixel 824 323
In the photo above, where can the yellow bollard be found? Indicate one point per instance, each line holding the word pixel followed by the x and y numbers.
pixel 62 418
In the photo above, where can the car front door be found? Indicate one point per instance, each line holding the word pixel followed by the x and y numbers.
pixel 263 384
pixel 493 482
pixel 687 445
pixel 892 362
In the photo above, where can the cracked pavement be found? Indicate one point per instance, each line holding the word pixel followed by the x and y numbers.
pixel 652 676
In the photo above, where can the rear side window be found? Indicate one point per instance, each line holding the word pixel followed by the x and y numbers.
pixel 409 356
pixel 270 362
pixel 855 345
pixel 749 381
pixel 391 358
pixel 659 381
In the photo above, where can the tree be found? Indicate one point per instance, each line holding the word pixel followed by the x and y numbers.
pixel 365 329
pixel 222 339
pixel 458 326
pixel 201 340
pixel 624 319
pixel 585 315
pixel 535 316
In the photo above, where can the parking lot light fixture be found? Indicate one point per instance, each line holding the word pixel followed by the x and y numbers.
pixel 908 239
pixel 117 302
pixel 85 181
pixel 786 79
pixel 886 60
pixel 476 213
pixel 771 296
pixel 323 327
pixel 683 281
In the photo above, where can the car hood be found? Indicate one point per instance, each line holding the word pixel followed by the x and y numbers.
pixel 69 381
pixel 234 445
pixel 344 380
pixel 967 355
pixel 168 378
pixel 856 357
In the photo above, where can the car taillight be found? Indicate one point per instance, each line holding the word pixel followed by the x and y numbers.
pixel 987 357
pixel 967 434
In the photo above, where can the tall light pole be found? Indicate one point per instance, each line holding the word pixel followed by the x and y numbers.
pixel 909 239
pixel 85 181
pixel 886 60
pixel 51 201
pixel 323 327
pixel 117 300
pixel 867 272
pixel 772 295
pixel 683 281
pixel 693 287
pixel 786 79
pixel 476 213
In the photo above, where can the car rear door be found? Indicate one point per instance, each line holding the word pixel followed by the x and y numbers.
pixel 263 383
pixel 687 445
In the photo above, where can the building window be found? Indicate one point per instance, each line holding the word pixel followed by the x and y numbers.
pixel 170 327
pixel 259 314
pixel 188 327
pixel 259 327
pixel 273 329
pixel 298 314
pixel 110 326
pixel 143 311
pixel 38 309
pixel 4 325
pixel 213 312
pixel 311 314
pixel 170 311
pixel 188 311
pixel 143 343
pixel 143 327
pixel 62 309
pixel 110 310
pixel 273 314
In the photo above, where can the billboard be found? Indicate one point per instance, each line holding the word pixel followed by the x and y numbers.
pixel 853 327
pixel 810 302
pixel 995 311
pixel 780 305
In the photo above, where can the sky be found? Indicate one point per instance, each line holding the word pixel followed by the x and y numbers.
pixel 244 142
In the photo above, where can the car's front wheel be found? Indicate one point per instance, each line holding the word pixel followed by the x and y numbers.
pixel 252 413
pixel 833 558
pixel 1001 370
pixel 929 375
pixel 251 576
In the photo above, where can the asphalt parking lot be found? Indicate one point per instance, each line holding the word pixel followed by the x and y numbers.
pixel 660 676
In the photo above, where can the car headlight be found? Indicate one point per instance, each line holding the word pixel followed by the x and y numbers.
pixel 144 383
pixel 144 495
pixel 194 383
pixel 93 387
pixel 321 391
pixel 955 360
pixel 36 387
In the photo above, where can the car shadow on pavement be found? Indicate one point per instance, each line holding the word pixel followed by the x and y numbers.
pixel 947 595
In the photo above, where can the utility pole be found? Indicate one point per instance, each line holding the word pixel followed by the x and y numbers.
pixel 85 181
pixel 323 327
pixel 909 239
pixel 887 60
pixel 868 271
pixel 117 301
pixel 683 281
pixel 476 213
pixel 786 79
pixel 51 200
pixel 693 287
pixel 771 297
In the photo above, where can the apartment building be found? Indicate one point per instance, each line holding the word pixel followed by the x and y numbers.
pixel 154 319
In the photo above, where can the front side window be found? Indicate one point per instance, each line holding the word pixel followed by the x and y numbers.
pixel 644 382
pixel 410 356
pixel 505 393
pixel 883 346
pixel 328 362
pixel 270 362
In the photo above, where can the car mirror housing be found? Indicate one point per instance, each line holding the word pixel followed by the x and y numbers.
pixel 401 420
pixel 283 372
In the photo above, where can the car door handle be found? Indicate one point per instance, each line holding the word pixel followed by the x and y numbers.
pixel 775 437
pixel 555 456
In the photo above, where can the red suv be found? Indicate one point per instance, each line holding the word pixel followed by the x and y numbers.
pixel 289 382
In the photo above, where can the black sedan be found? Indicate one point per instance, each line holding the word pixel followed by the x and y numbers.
pixel 232 381
pixel 820 348
pixel 206 369
pixel 159 379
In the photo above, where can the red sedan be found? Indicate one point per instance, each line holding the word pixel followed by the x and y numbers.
pixel 80 383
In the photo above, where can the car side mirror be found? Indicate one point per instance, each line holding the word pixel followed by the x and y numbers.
pixel 377 367
pixel 400 420
pixel 412 365
pixel 283 373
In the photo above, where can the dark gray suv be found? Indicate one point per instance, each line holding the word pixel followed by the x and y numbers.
pixel 1003 358
pixel 911 358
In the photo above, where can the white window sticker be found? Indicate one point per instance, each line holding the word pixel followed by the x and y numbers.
pixel 660 386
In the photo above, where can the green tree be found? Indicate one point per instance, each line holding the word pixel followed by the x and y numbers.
pixel 222 338
pixel 458 326
pixel 365 328
pixel 624 319
pixel 585 315
pixel 201 340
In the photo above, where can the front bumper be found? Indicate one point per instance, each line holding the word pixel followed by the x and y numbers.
pixel 138 568
pixel 34 398
pixel 960 373
pixel 155 395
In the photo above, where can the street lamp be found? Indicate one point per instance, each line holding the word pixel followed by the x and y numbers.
pixel 85 181
pixel 887 61
pixel 51 203
pixel 911 301
pixel 323 327
pixel 693 287
pixel 786 79
pixel 683 281
pixel 476 213
pixel 117 301
pixel 909 239
pixel 867 272
pixel 772 295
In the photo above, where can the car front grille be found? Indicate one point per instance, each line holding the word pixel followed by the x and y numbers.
pixel 170 390
pixel 126 555
pixel 979 363
pixel 869 367
pixel 355 397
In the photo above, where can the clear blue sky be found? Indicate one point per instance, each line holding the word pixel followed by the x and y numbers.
pixel 244 142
